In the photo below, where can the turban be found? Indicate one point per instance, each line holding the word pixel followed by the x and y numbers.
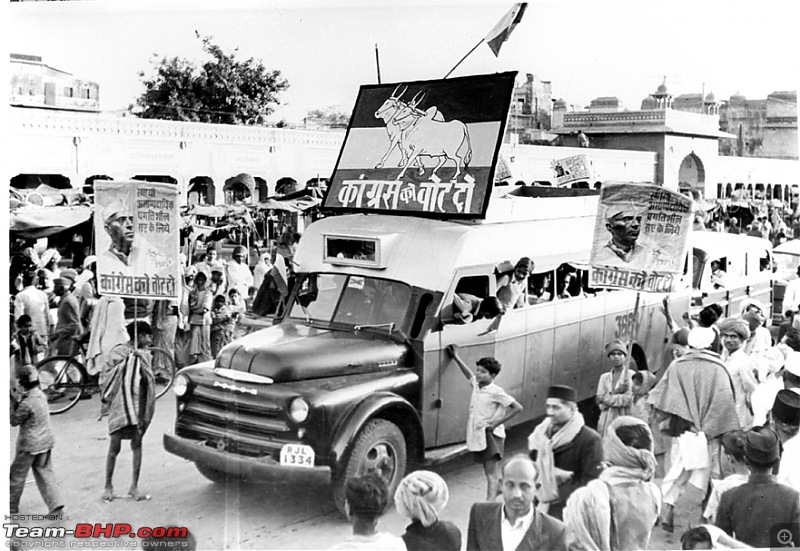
pixel 616 346
pixel 421 496
pixel 701 337
pixel 617 454
pixel 735 325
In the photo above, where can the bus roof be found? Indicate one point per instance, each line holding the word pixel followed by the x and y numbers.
pixel 725 243
pixel 425 252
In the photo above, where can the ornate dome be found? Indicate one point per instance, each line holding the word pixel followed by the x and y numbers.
pixel 649 103
pixel 711 98
pixel 560 104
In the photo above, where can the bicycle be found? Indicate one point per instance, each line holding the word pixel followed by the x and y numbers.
pixel 64 379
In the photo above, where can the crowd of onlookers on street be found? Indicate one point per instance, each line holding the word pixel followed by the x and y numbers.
pixel 723 416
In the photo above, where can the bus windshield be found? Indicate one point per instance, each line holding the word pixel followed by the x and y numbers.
pixel 355 300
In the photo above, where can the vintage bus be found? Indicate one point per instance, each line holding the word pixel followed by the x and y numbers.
pixel 356 376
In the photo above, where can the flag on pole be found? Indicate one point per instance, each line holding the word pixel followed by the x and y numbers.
pixel 502 30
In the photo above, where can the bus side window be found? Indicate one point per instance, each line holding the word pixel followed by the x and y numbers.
pixel 474 285
pixel 467 288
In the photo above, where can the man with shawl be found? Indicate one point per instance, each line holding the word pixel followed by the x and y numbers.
pixel 566 452
pixel 696 397
pixel 129 391
pixel 617 511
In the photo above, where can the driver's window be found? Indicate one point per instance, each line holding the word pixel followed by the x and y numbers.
pixel 321 293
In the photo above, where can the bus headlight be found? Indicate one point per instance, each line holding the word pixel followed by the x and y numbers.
pixel 298 410
pixel 180 386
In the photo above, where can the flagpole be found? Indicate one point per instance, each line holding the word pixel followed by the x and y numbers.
pixel 378 66
pixel 465 57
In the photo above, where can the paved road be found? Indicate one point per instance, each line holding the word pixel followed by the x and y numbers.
pixel 230 516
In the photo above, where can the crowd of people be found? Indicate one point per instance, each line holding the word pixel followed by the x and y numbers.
pixel 723 415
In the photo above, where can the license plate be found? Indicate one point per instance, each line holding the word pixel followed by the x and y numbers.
pixel 297 455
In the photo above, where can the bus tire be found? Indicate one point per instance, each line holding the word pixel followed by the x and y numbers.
pixel 380 447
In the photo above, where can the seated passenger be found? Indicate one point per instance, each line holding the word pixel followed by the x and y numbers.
pixel 718 275
pixel 512 287
pixel 540 288
pixel 468 308
pixel 564 283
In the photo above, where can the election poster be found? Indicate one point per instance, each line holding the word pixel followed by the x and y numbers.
pixel 136 227
pixel 424 148
pixel 640 238
pixel 571 169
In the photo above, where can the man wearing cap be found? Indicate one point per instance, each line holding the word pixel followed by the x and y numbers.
pixel 126 246
pixel 68 317
pixel 238 272
pixel 786 424
pixel 695 399
pixel 624 222
pixel 614 389
pixel 118 223
pixel 567 453
pixel 750 512
pixel 512 287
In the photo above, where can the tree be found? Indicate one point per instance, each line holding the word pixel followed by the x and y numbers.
pixel 329 116
pixel 223 90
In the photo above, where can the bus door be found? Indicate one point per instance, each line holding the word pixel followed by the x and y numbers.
pixel 475 340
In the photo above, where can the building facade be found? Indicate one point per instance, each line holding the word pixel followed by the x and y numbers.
pixel 34 84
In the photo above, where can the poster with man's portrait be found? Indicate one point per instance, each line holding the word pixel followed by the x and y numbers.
pixel 641 237
pixel 136 228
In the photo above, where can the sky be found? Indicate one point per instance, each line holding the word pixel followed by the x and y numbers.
pixel 326 50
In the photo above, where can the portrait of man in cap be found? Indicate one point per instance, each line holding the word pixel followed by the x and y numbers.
pixel 126 247
pixel 624 223
pixel 118 223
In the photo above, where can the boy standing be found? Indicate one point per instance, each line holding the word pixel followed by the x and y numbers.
pixel 129 391
pixel 27 345
pixel 34 443
pixel 490 407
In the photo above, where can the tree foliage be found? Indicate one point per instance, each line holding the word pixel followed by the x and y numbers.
pixel 223 90
pixel 330 116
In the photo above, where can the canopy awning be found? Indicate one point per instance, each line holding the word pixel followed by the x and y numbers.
pixel 34 222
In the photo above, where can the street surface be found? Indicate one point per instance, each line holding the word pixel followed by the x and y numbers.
pixel 235 515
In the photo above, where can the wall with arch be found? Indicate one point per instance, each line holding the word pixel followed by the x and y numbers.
pixel 78 146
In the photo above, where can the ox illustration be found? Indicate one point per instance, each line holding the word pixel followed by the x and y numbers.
pixel 426 133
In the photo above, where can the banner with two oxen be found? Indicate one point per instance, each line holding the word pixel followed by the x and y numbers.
pixel 427 148
pixel 640 238
pixel 136 227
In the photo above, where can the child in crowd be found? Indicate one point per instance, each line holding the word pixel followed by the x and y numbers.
pixel 490 407
pixel 26 345
pixel 129 389
pixel 34 443
pixel 734 468
pixel 238 309
pixel 222 322
pixel 366 498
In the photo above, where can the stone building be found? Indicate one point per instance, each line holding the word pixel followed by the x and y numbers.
pixel 759 128
pixel 531 110
pixel 34 84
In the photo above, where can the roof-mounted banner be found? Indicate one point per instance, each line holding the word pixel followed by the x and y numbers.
pixel 424 148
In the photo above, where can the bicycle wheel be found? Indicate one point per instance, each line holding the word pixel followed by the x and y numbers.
pixel 164 370
pixel 61 380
